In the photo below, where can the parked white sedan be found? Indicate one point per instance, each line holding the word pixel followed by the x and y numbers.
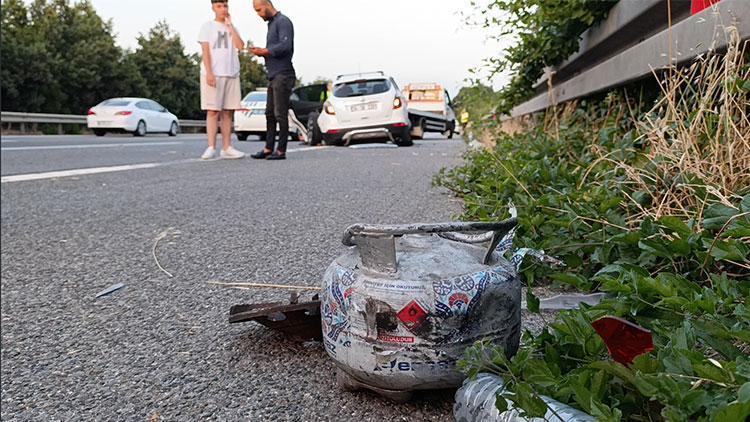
pixel 251 118
pixel 138 116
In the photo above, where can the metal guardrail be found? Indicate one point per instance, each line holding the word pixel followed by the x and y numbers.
pixel 62 119
pixel 15 117
pixel 638 58
pixel 627 24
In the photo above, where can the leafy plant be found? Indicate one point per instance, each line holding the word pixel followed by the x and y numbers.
pixel 590 182
pixel 545 32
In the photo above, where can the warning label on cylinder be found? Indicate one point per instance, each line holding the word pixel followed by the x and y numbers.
pixel 394 339
pixel 413 315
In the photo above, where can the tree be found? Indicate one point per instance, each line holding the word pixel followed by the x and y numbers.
pixel 479 100
pixel 171 76
pixel 81 56
pixel 25 69
pixel 252 74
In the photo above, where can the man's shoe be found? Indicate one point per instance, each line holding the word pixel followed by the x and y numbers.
pixel 261 155
pixel 208 153
pixel 276 156
pixel 232 154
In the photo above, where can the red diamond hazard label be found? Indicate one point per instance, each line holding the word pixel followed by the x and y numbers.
pixel 412 315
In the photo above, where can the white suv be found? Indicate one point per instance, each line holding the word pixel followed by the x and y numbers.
pixel 365 106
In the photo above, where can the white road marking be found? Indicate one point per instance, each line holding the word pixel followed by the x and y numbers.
pixel 112 169
pixel 86 171
pixel 142 144
pixel 372 146
pixel 308 148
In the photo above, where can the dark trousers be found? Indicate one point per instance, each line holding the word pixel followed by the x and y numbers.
pixel 277 110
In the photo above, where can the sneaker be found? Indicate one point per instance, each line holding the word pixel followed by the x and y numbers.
pixel 208 153
pixel 232 154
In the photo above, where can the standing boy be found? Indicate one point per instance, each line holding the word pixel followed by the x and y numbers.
pixel 220 78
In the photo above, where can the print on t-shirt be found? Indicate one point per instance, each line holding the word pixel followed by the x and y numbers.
pixel 225 59
pixel 223 39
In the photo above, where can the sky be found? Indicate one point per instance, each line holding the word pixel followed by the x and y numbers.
pixel 412 40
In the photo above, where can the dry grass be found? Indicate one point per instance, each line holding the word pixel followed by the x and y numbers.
pixel 696 138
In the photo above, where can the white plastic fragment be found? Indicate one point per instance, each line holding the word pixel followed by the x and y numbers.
pixel 475 402
pixel 569 301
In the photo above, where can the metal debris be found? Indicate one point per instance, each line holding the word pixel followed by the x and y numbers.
pixel 110 289
pixel 300 321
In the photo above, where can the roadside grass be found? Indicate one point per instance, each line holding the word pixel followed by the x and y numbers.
pixel 645 198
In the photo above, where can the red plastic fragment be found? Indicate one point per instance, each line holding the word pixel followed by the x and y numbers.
pixel 699 5
pixel 625 340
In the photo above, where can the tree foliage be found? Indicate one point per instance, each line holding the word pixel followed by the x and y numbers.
pixel 546 32
pixel 60 56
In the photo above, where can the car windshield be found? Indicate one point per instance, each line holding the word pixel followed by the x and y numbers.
pixel 361 88
pixel 255 96
pixel 115 103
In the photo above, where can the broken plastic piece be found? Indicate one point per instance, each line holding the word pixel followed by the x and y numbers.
pixel 625 340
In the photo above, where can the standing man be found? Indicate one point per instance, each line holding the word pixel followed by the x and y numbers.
pixel 220 78
pixel 278 54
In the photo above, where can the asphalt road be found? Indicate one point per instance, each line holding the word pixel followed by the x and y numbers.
pixel 161 348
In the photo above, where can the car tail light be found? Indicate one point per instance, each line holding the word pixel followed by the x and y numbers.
pixel 92 112
pixel 123 113
pixel 397 103
pixel 333 131
pixel 400 124
pixel 330 110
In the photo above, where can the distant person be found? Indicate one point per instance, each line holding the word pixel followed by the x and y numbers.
pixel 220 79
pixel 281 76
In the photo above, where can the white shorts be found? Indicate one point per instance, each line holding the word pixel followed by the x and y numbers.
pixel 225 95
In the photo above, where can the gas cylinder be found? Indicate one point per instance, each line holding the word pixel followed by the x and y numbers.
pixel 403 302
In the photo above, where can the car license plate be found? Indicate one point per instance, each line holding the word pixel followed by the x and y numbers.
pixel 363 107
pixel 104 123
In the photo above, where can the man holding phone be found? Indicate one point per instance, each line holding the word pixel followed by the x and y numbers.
pixel 220 78
pixel 281 76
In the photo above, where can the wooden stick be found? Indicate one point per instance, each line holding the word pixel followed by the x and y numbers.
pixel 265 285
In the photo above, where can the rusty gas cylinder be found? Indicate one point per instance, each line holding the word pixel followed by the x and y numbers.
pixel 401 305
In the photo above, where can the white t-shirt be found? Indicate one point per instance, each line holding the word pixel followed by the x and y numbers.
pixel 225 60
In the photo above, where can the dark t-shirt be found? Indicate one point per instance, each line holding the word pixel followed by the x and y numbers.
pixel 280 43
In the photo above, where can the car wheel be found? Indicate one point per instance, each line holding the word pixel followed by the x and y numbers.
pixel 313 130
pixel 174 129
pixel 450 131
pixel 405 139
pixel 140 130
pixel 100 132
pixel 242 136
pixel 418 130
